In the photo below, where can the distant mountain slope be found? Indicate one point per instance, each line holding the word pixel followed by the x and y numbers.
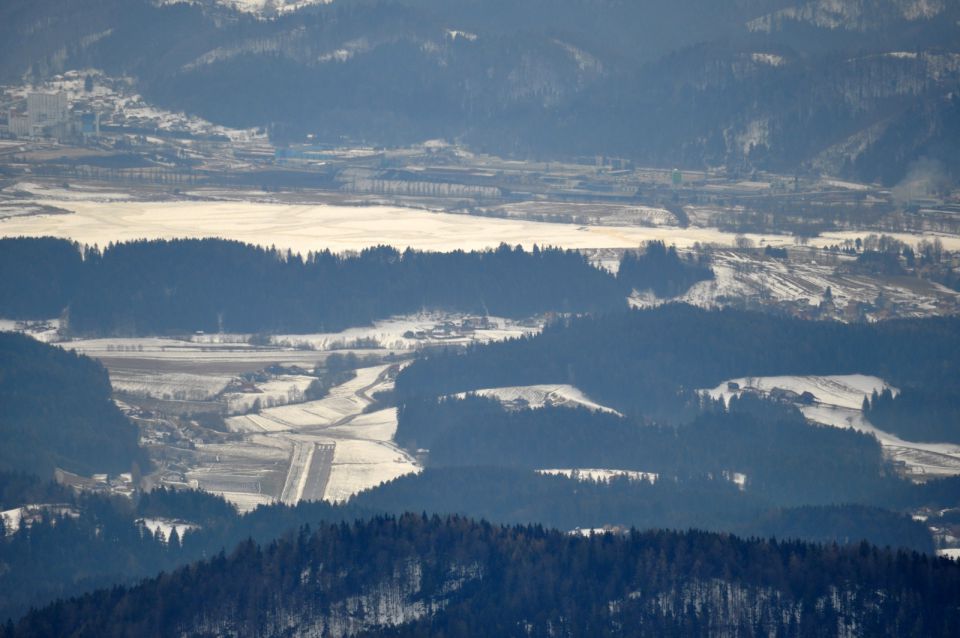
pixel 417 576
pixel 859 88
pixel 55 411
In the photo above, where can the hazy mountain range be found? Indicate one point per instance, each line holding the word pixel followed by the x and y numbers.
pixel 859 88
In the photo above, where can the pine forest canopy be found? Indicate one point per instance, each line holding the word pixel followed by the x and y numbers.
pixel 177 286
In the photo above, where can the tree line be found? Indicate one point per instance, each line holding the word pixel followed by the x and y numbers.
pixel 916 414
pixel 416 575
pixel 786 460
pixel 650 363
pixel 61 555
pixel 176 286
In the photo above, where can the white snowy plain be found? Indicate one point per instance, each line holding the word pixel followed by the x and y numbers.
pixel 739 276
pixel 364 454
pixel 306 227
pixel 539 396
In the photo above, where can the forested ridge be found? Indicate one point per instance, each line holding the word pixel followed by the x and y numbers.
pixel 176 286
pixel 786 460
pixel 56 411
pixel 660 269
pixel 40 275
pixel 650 362
pixel 61 555
pixel 419 575
pixel 916 414
pixel 520 496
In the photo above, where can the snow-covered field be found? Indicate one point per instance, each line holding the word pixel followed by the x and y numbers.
pixel 411 331
pixel 843 390
pixel 45 330
pixel 168 368
pixel 740 276
pixel 952 552
pixel 359 464
pixel 345 400
pixel 306 227
pixel 838 401
pixel 364 454
pixel 285 388
pixel 80 192
pixel 167 385
pixel 538 396
pixel 600 475
pixel 315 227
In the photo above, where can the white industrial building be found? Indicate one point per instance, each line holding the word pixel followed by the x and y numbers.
pixel 18 123
pixel 46 109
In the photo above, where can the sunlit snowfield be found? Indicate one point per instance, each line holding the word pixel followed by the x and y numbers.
pixel 360 452
pixel 307 227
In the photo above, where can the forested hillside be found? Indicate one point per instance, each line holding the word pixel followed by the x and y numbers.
pixel 40 276
pixel 163 287
pixel 515 496
pixel 650 362
pixel 56 411
pixel 786 460
pixel 917 414
pixel 416 575
pixel 661 270
pixel 63 554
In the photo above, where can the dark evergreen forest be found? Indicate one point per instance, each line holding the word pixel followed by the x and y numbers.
pixel 648 363
pixel 454 577
pixel 787 460
pixel 916 414
pixel 518 496
pixel 62 555
pixel 661 270
pixel 56 411
pixel 164 287
pixel 40 276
